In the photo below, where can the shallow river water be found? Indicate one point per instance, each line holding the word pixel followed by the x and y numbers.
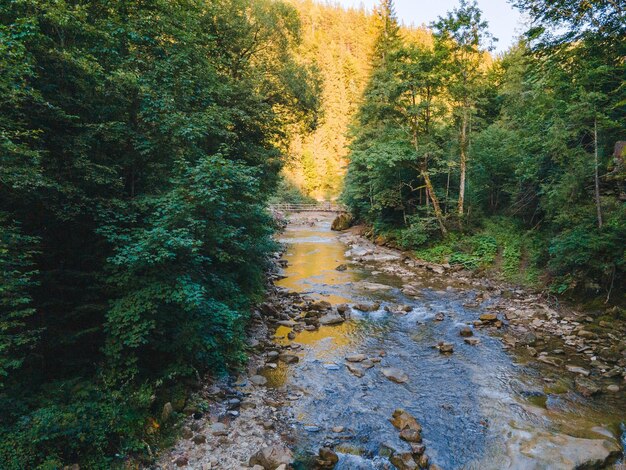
pixel 481 407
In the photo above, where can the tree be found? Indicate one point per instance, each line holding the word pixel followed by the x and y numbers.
pixel 464 33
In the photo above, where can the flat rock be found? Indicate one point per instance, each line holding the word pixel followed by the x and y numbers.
pixel 356 358
pixel 446 348
pixel 488 317
pixel 372 286
pixel 258 380
pixel 219 429
pixel 577 370
pixel 395 375
pixel 559 451
pixel 331 318
pixel 355 370
pixel 367 307
pixel 472 341
pixel 288 358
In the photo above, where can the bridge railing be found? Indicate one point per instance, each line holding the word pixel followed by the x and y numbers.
pixel 318 207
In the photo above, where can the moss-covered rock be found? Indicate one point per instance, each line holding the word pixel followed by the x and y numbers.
pixel 342 222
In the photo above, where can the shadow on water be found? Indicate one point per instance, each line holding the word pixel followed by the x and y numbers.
pixel 469 403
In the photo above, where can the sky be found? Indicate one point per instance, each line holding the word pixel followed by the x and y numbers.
pixel 505 22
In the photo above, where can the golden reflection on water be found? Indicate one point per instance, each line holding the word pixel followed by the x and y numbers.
pixel 313 257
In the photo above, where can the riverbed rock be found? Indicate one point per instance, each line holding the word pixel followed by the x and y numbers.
pixel 560 451
pixel 446 348
pixel 356 358
pixel 355 370
pixel 181 461
pixel 321 305
pixel 440 316
pixel 577 370
pixel 402 420
pixel 219 429
pixel 331 318
pixel 472 341
pixel 613 388
pixel 271 457
pixel 373 286
pixel 411 435
pixel 327 458
pixel 395 375
pixel 488 317
pixel 342 222
pixel 199 439
pixel 258 380
pixel 367 307
pixel 343 308
pixel 288 358
pixel 341 267
pixel 466 332
pixel 586 387
pixel 404 461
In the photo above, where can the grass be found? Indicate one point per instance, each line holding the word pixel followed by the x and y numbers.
pixel 500 245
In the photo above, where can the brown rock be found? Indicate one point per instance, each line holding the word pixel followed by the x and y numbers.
pixel 466 332
pixel 402 420
pixel 271 457
pixel 488 317
pixel 403 461
pixel 411 435
pixel 288 358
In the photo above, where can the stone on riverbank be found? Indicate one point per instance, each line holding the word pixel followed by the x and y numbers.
pixel 271 457
pixel 331 318
pixel 342 222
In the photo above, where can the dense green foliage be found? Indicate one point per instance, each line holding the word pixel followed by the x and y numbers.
pixel 139 142
pixel 506 161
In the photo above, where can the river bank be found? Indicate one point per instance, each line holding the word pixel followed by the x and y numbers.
pixel 351 331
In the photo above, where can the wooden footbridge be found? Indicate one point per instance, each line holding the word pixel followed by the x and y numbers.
pixel 317 207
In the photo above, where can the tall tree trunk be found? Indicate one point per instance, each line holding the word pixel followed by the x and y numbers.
pixel 597 179
pixel 433 198
pixel 463 163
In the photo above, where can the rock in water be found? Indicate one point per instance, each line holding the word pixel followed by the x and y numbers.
pixel 404 461
pixel 411 435
pixel 395 375
pixel 466 332
pixel 356 358
pixel 365 307
pixel 446 348
pixel 271 457
pixel 357 371
pixel 342 222
pixel 327 458
pixel 403 420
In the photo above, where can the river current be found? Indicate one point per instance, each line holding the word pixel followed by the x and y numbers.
pixel 481 407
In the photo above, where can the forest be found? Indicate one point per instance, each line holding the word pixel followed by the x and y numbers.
pixel 513 163
pixel 140 143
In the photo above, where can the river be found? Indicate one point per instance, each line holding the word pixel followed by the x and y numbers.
pixel 481 407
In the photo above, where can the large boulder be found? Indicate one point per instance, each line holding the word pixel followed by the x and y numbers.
pixel 342 222
pixel 271 457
